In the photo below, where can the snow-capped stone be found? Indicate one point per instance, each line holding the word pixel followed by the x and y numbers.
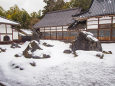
pixel 33 46
pixel 86 41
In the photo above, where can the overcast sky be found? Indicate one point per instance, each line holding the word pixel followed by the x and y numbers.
pixel 28 5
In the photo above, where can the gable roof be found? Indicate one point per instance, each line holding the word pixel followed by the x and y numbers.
pixel 6 21
pixel 58 18
pixel 99 8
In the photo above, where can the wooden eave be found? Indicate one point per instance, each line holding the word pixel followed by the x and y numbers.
pixel 85 18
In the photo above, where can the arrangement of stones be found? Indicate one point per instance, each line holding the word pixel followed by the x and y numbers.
pixel 15 45
pixel 32 47
pixel 16 66
pixel 86 41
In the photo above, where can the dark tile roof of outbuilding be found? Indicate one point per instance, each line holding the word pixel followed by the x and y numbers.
pixel 99 8
pixel 58 18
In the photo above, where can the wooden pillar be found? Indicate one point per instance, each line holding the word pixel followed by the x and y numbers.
pixel 18 35
pixel 6 28
pixel 98 29
pixel 12 34
pixel 56 33
pixel 0 36
pixel 86 24
pixel 111 28
pixel 44 32
pixel 62 32
pixel 50 32
pixel 69 34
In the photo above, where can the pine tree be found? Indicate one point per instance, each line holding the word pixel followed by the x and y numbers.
pixel 2 12
pixel 83 4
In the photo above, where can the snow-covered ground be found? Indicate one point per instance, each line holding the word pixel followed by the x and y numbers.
pixel 59 70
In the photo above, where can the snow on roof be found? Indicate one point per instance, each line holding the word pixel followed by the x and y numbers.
pixel 6 21
pixel 27 31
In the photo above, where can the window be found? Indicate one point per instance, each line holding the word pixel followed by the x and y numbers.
pixel 59 35
pixel 113 26
pixel 65 34
pixel 53 35
pixel 113 34
pixel 73 33
pixel 46 35
pixel 104 34
pixel 104 26
pixel 2 28
pixel 94 32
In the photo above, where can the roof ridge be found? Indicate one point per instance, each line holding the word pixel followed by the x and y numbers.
pixel 64 10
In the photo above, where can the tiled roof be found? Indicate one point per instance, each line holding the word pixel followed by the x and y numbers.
pixel 58 18
pixel 99 8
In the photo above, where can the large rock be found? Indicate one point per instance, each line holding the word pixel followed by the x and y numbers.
pixel 86 41
pixel 33 46
pixel 36 35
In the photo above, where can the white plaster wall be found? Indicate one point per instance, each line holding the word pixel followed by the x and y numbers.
pixel 104 21
pixel 65 28
pixel 59 28
pixel 53 29
pixel 114 20
pixel 41 29
pixel 15 35
pixel 91 19
pixel 2 28
pixel 47 29
pixel 105 17
pixel 90 23
pixel 2 37
pixel 92 27
pixel 9 29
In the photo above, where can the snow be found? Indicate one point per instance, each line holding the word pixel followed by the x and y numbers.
pixel 29 32
pixel 90 36
pixel 59 70
pixel 6 21
pixel 109 1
